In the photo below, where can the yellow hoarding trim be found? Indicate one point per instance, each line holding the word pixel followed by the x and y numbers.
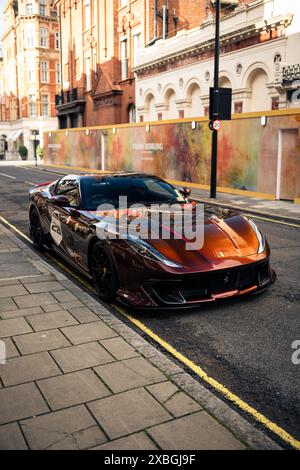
pixel 221 189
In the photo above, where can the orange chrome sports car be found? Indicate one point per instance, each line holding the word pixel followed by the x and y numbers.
pixel 71 216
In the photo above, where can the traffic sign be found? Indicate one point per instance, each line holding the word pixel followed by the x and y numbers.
pixel 215 125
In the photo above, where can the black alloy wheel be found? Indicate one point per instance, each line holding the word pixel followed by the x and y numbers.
pixel 103 272
pixel 36 231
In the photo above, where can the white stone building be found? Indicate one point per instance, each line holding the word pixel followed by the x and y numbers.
pixel 260 61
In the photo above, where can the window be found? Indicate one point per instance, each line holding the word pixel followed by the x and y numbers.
pixel 30 35
pixel 136 46
pixel 57 40
pixel 32 105
pixel 124 60
pixel 88 73
pixel 275 102
pixel 66 72
pixel 45 105
pixel 43 7
pixel 31 71
pixel 132 113
pixel 44 37
pixel 69 188
pixel 77 68
pixel 28 8
pixel 44 70
pixel 238 107
pixel 57 72
pixel 123 3
pixel 87 14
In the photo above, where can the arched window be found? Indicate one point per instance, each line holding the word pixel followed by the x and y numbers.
pixel 170 101
pixel 132 113
pixel 194 95
pixel 150 106
pixel 257 82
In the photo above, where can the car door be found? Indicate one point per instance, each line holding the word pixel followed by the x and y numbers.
pixel 60 229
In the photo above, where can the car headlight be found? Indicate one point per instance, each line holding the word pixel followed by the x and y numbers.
pixel 143 248
pixel 260 237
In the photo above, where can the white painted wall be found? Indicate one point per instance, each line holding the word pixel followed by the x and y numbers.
pixel 252 59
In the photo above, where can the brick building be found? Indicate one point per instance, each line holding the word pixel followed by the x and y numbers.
pixel 31 72
pixel 101 43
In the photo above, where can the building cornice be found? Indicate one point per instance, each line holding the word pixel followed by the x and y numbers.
pixel 207 46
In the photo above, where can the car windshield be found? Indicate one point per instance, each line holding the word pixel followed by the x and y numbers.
pixel 138 189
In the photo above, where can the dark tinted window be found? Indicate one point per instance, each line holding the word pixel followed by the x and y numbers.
pixel 145 190
pixel 70 189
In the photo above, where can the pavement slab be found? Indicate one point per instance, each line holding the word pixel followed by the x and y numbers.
pixel 139 441
pixel 11 437
pixel 89 332
pixel 197 431
pixel 14 326
pixel 61 429
pixel 72 389
pixel 41 341
pixel 21 401
pixel 82 356
pixel 23 369
pixel 118 348
pixel 141 411
pixel 129 374
pixel 51 320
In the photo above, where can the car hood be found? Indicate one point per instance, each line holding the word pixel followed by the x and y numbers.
pixel 228 239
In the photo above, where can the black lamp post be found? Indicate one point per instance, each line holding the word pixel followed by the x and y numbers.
pixel 34 146
pixel 214 147
pixel 3 146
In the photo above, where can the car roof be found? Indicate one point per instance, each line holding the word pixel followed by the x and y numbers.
pixel 123 174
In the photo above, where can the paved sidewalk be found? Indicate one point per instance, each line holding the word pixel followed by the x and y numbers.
pixel 281 210
pixel 77 377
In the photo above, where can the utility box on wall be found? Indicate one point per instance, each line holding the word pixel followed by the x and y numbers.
pixel 220 103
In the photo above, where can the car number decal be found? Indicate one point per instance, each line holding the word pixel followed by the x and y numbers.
pixel 55 229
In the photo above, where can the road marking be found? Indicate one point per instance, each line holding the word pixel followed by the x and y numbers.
pixel 277 430
pixel 8 176
pixel 13 227
pixel 30 183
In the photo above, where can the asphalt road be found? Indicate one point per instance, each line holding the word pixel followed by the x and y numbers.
pixel 246 344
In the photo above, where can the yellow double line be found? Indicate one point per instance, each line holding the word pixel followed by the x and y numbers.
pixel 259 417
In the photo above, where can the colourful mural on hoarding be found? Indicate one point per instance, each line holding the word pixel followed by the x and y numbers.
pixel 247 157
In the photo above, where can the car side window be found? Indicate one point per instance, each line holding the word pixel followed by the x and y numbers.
pixel 70 189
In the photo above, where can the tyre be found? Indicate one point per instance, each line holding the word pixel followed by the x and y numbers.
pixel 103 272
pixel 36 231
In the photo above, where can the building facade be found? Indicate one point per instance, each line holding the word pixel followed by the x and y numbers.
pixel 31 72
pixel 101 43
pixel 259 61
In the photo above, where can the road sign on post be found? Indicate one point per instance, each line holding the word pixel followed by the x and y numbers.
pixel 220 104
pixel 214 147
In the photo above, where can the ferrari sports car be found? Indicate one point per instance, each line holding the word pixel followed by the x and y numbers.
pixel 70 216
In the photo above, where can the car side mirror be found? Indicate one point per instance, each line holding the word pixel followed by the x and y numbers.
pixel 61 201
pixel 186 192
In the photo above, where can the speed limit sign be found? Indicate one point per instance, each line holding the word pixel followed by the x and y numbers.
pixel 216 125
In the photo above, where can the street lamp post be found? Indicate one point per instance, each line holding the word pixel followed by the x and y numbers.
pixel 34 146
pixel 214 147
